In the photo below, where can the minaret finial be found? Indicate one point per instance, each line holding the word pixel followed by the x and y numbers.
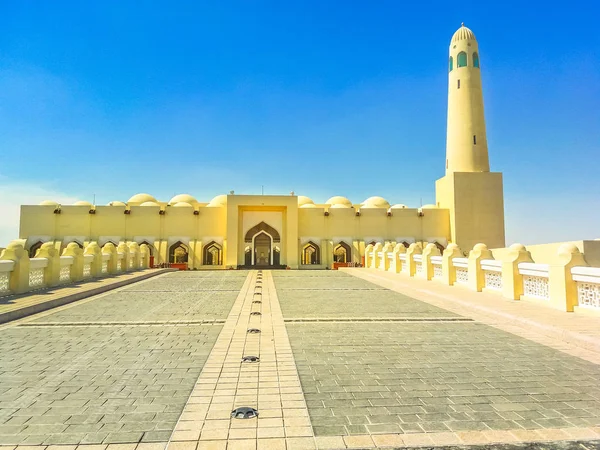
pixel 462 24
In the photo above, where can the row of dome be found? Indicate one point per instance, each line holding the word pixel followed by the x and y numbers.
pixel 186 200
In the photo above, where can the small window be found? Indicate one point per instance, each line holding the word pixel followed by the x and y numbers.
pixel 461 60
pixel 458 84
pixel 474 140
pixel 475 60
pixel 450 64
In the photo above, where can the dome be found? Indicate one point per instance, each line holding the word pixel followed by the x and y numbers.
pixel 149 204
pixel 219 200
pixel 430 206
pixel 49 203
pixel 376 202
pixel 82 203
pixel 339 200
pixel 141 198
pixel 182 205
pixel 117 203
pixel 339 205
pixel 463 33
pixel 302 200
pixel 399 206
pixel 308 205
pixel 187 198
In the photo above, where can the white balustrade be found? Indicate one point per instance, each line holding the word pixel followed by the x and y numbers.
pixel 87 265
pixel 36 272
pixel 588 286
pixel 492 274
pixel 436 261
pixel 6 267
pixel 419 265
pixel 105 258
pixel 462 270
pixel 403 262
pixel 390 256
pixel 535 280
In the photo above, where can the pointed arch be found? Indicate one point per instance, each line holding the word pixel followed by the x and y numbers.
pixel 178 253
pixel 34 248
pixel 150 246
pixel 461 60
pixel 262 227
pixel 342 253
pixel 475 60
pixel 212 254
pixel 406 244
pixel 311 253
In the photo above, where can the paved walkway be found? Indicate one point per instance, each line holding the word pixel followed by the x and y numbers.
pixel 14 307
pixel 363 361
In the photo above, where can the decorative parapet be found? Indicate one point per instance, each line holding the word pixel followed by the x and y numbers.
pixel 587 280
pixel 448 270
pixel 414 250
pixel 535 280
pixel 512 280
pixel 476 276
pixel 430 251
pixel 76 267
pixel 96 262
pixel 563 289
pixel 109 259
pixel 399 257
pixel 51 268
pixel 37 273
pixel 377 253
pixel 384 261
pixel 6 268
pixel 144 256
pixel 437 268
pixel 369 255
pixel 124 256
pixel 492 275
pixel 66 263
pixel 134 252
pixel 461 270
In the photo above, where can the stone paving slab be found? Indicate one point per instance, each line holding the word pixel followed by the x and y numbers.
pixel 120 383
pixel 13 307
pixel 303 296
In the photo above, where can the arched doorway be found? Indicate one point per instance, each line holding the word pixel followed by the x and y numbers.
pixel 263 249
pixel 212 255
pixel 178 255
pixel 150 250
pixel 342 253
pixel 311 254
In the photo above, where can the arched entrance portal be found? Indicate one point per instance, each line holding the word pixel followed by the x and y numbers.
pixel 261 246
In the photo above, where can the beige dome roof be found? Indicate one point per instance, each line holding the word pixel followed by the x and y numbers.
pixel 149 204
pixel 49 203
pixel 182 205
pixel 302 200
pixel 219 200
pixel 339 200
pixel 429 206
pixel 399 206
pixel 309 205
pixel 340 205
pixel 82 203
pixel 376 202
pixel 463 33
pixel 117 203
pixel 187 198
pixel 141 198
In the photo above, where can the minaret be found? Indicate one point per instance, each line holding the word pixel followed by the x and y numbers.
pixel 466 141
pixel 471 193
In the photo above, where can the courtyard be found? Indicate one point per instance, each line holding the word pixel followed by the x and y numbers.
pixel 344 363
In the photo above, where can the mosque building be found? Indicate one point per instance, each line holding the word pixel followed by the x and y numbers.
pixel 234 231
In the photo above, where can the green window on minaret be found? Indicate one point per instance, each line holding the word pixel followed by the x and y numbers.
pixel 475 60
pixel 461 60
pixel 450 64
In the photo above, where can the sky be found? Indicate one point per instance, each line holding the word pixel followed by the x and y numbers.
pixel 108 99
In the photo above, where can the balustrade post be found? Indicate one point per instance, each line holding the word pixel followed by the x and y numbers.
pixel 96 267
pixel 76 253
pixel 124 250
pixel 414 249
pixel 512 280
pixel 562 287
pixel 448 269
pixel 368 255
pixel 400 249
pixel 385 263
pixel 19 277
pixel 375 260
pixel 52 270
pixel 476 275
pixel 110 249
pixel 134 250
pixel 429 251
pixel 145 256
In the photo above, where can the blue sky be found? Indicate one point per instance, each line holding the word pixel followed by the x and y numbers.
pixel 324 98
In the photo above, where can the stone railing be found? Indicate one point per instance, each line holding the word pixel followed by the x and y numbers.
pixel 535 280
pixel 492 274
pixel 436 262
pixel 566 285
pixel 20 274
pixel 588 286
pixel 461 266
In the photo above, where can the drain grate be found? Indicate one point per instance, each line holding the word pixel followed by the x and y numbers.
pixel 253 330
pixel 251 359
pixel 256 313
pixel 244 412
